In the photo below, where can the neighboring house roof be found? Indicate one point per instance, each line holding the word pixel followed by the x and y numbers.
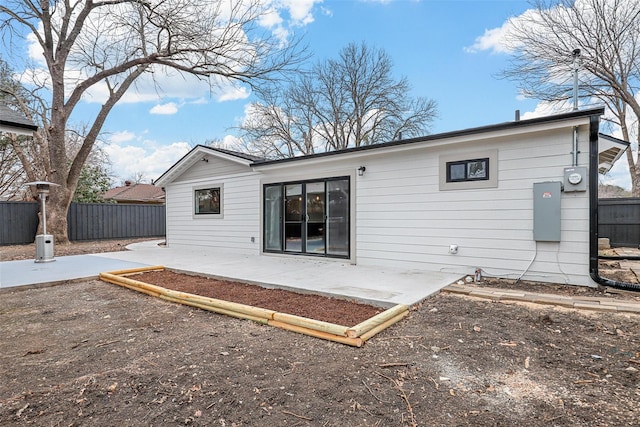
pixel 13 122
pixel 200 151
pixel 135 193
pixel 609 151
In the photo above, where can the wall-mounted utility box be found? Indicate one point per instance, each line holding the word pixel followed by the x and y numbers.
pixel 575 179
pixel 546 211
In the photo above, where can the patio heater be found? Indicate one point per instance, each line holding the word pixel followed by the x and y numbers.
pixel 44 241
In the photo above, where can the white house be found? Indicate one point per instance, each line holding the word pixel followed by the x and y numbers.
pixel 514 200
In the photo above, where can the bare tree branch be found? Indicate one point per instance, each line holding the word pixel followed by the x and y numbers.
pixel 346 102
pixel 113 43
pixel 608 35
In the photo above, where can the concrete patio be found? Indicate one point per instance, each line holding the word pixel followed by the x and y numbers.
pixel 381 286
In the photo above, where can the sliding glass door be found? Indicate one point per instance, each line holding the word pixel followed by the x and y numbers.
pixel 308 217
pixel 273 218
pixel 293 218
pixel 338 217
pixel 315 217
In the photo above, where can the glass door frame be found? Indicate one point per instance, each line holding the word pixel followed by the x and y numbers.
pixel 282 222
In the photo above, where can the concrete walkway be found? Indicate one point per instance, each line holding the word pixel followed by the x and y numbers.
pixel 28 272
pixel 381 286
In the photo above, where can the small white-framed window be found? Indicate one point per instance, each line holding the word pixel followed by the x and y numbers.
pixel 208 201
pixel 471 170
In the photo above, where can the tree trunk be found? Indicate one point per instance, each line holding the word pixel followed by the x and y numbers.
pixel 59 197
pixel 57 208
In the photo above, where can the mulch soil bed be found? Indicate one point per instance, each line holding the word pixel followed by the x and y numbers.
pixel 333 310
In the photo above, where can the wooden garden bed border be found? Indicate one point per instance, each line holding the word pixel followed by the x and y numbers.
pixel 354 336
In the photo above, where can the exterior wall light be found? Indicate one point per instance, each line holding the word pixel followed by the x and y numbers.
pixel 361 170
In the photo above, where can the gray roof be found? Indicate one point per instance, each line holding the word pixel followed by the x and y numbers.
pixel 238 154
pixel 12 118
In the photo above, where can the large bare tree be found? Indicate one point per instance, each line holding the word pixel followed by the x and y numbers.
pixel 340 103
pixel 607 32
pixel 112 43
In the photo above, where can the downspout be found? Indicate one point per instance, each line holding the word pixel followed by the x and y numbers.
pixel 575 147
pixel 594 127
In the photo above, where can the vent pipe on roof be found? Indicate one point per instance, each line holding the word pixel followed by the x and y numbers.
pixel 517 115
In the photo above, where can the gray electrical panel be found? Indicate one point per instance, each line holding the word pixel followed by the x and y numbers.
pixel 546 211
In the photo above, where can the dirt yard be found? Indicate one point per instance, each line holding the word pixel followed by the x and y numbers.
pixel 93 353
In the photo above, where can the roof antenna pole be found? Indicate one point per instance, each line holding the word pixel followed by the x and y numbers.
pixel 576 66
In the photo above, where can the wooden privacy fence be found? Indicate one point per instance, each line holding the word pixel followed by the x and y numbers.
pixel 86 221
pixel 619 221
pixel 18 222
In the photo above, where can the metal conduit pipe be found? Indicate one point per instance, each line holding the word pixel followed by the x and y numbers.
pixel 594 127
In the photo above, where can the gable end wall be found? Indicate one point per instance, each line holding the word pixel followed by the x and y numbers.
pixel 239 222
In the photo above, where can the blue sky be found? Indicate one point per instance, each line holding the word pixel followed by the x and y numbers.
pixel 427 40
pixel 448 50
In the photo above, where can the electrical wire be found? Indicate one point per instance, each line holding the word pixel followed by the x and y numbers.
pixel 566 276
pixel 530 263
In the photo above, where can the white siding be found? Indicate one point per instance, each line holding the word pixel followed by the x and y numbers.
pixel 400 217
pixel 404 220
pixel 212 168
pixel 240 208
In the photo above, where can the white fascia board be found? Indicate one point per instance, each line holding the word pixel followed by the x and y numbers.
pixel 17 130
pixel 605 142
pixel 225 156
pixel 191 158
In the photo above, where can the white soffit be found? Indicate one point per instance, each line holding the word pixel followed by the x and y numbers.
pixel 610 149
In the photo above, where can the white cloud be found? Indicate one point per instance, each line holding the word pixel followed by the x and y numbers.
pixel 231 141
pixel 495 40
pixel 35 50
pixel 231 93
pixel 199 101
pixel 300 10
pixel 151 160
pixel 271 19
pixel 377 1
pixel 161 83
pixel 122 136
pixel 326 12
pixel 547 108
pixel 164 109
pixel 492 39
pixel 618 175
